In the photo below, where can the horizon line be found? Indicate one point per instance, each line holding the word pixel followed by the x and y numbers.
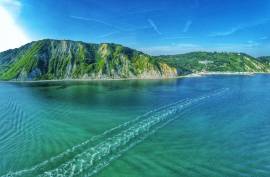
pixel 138 49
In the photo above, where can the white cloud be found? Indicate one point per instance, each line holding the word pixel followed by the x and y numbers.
pixel 187 26
pixel 108 34
pixel 225 33
pixel 239 28
pixel 264 38
pixel 14 6
pixel 11 34
pixel 154 26
pixel 172 49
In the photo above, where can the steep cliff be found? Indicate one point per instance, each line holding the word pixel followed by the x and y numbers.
pixel 64 59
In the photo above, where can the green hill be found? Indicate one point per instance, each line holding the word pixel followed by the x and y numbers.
pixel 195 62
pixel 265 59
pixel 64 59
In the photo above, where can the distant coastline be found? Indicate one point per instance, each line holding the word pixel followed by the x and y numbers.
pixel 51 60
pixel 200 74
pixel 232 73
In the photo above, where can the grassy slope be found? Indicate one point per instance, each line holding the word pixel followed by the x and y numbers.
pixel 9 56
pixel 25 63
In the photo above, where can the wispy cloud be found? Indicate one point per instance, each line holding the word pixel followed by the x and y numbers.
pixel 172 49
pixel 13 6
pixel 154 26
pixel 225 33
pixel 252 44
pixel 264 38
pixel 239 28
pixel 250 47
pixel 177 37
pixel 108 34
pixel 187 26
pixel 116 27
pixel 96 21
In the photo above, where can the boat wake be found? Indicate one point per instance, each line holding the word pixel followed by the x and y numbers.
pixel 96 153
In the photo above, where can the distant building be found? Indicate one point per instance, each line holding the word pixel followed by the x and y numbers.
pixel 205 62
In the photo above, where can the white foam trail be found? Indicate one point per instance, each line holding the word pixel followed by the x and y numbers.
pixel 107 162
pixel 110 144
pixel 82 145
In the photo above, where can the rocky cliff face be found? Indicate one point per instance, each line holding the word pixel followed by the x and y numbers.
pixel 63 59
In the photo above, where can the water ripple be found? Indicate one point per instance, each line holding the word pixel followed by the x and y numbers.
pixel 93 155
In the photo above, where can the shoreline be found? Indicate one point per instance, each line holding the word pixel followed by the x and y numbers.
pixel 232 73
pixel 193 75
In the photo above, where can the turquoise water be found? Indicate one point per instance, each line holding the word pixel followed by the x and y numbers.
pixel 207 126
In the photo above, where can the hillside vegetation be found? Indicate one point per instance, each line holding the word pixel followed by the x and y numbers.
pixel 63 59
pixel 195 62
pixel 265 59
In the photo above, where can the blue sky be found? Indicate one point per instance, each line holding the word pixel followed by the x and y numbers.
pixel 153 26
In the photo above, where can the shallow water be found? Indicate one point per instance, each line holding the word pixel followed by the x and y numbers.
pixel 208 126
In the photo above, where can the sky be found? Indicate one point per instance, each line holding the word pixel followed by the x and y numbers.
pixel 153 26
